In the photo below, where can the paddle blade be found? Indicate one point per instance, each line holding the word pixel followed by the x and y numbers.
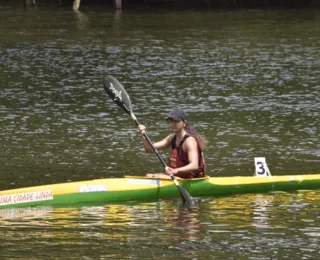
pixel 186 198
pixel 117 93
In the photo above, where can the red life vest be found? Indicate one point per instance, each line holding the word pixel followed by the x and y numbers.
pixel 179 158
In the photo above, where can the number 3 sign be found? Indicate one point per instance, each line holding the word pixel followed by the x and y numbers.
pixel 261 166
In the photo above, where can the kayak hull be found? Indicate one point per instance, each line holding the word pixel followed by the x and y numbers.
pixel 137 188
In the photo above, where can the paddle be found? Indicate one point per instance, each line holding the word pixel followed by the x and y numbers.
pixel 118 94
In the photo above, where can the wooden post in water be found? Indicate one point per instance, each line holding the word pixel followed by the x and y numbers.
pixel 76 5
pixel 118 4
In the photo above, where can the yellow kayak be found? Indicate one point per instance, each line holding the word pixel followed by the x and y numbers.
pixel 135 188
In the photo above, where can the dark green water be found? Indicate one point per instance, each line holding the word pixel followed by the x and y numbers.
pixel 250 82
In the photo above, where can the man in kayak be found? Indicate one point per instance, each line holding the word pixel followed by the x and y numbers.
pixel 186 159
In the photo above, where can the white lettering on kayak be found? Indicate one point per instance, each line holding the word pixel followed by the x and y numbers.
pixel 26 197
pixel 92 188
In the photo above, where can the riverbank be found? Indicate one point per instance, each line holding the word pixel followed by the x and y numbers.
pixel 169 4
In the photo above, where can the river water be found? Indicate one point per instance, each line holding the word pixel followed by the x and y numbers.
pixel 250 82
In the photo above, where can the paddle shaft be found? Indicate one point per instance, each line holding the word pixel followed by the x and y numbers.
pixel 144 133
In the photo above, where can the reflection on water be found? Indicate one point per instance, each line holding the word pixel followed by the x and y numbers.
pixel 251 225
pixel 82 20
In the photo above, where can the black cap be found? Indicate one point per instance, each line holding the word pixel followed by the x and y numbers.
pixel 177 114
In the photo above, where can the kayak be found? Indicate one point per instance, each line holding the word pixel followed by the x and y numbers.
pixel 137 188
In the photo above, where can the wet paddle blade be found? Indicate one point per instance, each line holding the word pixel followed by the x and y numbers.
pixel 117 93
pixel 186 198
